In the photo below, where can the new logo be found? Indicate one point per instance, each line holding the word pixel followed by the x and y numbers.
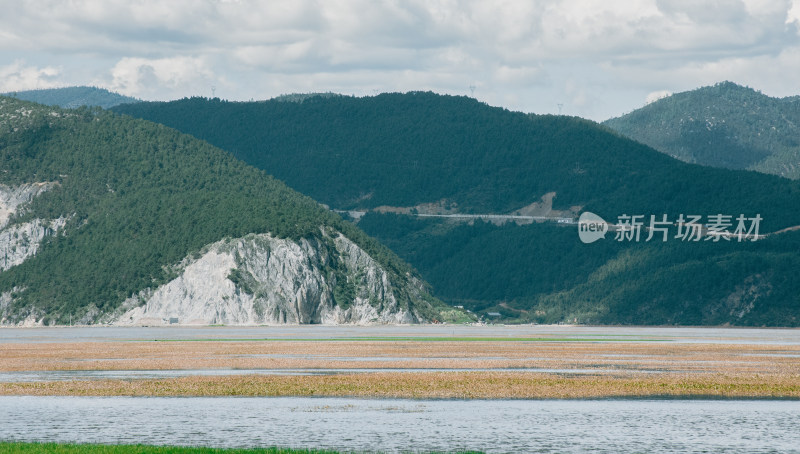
pixel 591 227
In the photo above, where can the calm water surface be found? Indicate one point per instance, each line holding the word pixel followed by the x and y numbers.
pixel 600 333
pixel 64 375
pixel 572 426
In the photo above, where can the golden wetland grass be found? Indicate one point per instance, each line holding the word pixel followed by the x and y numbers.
pixel 564 369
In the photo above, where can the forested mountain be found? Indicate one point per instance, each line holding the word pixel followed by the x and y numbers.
pixel 408 149
pixel 725 125
pixel 393 155
pixel 104 215
pixel 72 97
pixel 543 273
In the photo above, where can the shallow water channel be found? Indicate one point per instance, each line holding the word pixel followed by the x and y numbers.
pixel 715 335
pixel 393 425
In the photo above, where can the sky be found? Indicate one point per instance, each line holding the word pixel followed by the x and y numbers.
pixel 592 58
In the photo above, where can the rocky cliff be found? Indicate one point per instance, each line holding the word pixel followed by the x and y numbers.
pixel 260 279
pixel 13 197
pixel 18 241
pixel 137 223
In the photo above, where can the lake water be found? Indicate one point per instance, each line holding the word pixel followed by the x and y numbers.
pixel 64 375
pixel 393 425
pixel 601 333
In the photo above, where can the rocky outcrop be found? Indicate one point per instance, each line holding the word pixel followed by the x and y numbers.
pixel 5 302
pixel 22 240
pixel 13 197
pixel 746 296
pixel 260 279
pixel 26 318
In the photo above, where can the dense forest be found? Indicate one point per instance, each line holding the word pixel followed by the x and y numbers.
pixel 407 149
pixel 724 125
pixel 542 273
pixel 73 97
pixel 139 197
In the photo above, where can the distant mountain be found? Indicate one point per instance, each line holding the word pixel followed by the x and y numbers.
pixel 300 97
pixel 72 97
pixel 725 125
pixel 109 219
pixel 396 161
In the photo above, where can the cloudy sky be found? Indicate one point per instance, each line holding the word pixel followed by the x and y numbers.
pixel 595 59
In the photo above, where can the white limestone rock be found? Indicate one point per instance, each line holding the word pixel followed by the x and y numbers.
pixel 13 197
pixel 260 279
pixel 18 242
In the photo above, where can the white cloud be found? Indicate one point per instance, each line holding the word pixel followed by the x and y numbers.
pixel 516 77
pixel 595 56
pixel 793 15
pixel 656 95
pixel 18 77
pixel 149 78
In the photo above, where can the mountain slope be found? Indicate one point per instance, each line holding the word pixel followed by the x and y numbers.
pixel 405 150
pixel 725 125
pixel 136 204
pixel 391 158
pixel 543 273
pixel 72 97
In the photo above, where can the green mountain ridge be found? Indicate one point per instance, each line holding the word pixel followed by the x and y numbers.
pixel 404 150
pixel 73 97
pixel 724 125
pixel 137 198
pixel 408 149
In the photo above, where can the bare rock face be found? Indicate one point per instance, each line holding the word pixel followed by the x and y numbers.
pixel 30 317
pixel 21 241
pixel 12 197
pixel 5 301
pixel 260 279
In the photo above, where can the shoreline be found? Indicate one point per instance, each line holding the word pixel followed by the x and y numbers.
pixel 403 325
